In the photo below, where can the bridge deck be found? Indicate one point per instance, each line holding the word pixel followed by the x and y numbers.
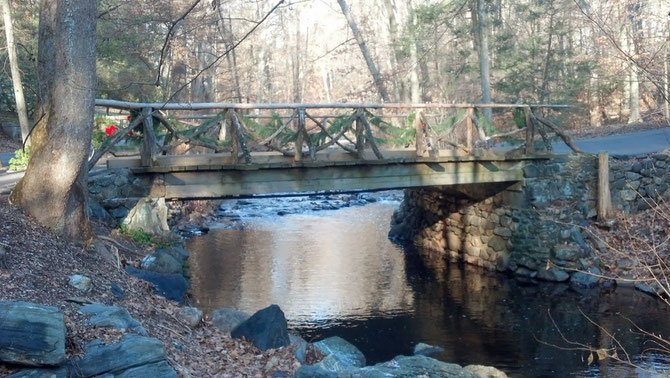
pixel 215 176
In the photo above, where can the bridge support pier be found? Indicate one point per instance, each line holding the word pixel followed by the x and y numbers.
pixel 529 228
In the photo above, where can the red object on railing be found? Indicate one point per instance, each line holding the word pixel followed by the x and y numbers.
pixel 110 130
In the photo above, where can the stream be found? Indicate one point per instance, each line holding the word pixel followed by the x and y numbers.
pixel 335 272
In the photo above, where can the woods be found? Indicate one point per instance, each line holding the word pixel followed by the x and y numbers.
pixel 609 59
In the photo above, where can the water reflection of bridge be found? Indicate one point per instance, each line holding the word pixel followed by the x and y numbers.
pixel 306 147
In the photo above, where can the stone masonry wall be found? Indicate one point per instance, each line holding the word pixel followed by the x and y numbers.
pixel 529 228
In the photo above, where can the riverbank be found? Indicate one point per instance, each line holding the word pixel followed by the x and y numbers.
pixel 103 320
pixel 36 266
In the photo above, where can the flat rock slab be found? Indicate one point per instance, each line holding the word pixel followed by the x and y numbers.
pixel 339 353
pixel 133 356
pixel 112 316
pixel 158 369
pixel 161 261
pixel 410 367
pixel 31 334
pixel 40 373
pixel 266 329
pixel 169 285
pixel 226 319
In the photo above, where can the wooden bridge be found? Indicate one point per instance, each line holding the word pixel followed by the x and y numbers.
pixel 251 149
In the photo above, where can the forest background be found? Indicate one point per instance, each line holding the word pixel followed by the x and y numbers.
pixel 608 58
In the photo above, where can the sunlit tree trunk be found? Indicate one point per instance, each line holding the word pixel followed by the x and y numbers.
pixel 53 190
pixel 633 74
pixel 482 32
pixel 393 15
pixel 16 73
pixel 666 74
pixel 415 87
pixel 376 77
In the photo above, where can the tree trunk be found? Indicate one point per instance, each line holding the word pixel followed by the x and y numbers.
pixel 633 73
pixel 594 99
pixel 16 73
pixel 547 59
pixel 376 77
pixel 415 87
pixel 482 31
pixel 54 189
pixel 666 75
pixel 393 13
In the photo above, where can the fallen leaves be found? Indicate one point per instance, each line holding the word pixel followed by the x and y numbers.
pixel 38 266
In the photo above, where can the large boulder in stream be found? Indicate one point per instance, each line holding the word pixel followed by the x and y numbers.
pixel 266 329
pixel 31 334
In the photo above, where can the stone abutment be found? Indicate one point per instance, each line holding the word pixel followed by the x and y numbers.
pixel 532 228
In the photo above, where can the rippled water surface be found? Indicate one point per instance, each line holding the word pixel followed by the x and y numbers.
pixel 336 273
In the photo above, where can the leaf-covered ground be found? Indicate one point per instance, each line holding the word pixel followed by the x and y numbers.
pixel 36 267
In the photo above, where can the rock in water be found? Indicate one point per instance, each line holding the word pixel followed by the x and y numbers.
pixel 31 334
pixel 410 367
pixel 486 371
pixel 170 285
pixel 427 350
pixel 162 261
pixel 226 319
pixel 266 328
pixel 340 354
pixel 133 356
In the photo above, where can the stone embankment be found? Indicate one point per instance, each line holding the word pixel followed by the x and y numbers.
pixel 533 228
pixel 33 336
pixel 334 356
pixel 34 339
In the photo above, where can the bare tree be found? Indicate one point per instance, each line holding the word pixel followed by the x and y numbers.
pixel 16 73
pixel 376 77
pixel 482 33
pixel 54 190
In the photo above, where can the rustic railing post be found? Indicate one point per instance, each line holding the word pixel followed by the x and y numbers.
pixel 150 147
pixel 469 128
pixel 360 135
pixel 420 134
pixel 300 138
pixel 234 139
pixel 530 131
pixel 604 196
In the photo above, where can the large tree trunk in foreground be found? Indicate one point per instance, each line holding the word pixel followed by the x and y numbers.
pixel 376 77
pixel 53 190
pixel 16 73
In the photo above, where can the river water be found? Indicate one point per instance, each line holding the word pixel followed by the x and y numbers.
pixel 336 272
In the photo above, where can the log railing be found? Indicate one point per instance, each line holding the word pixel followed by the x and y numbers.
pixel 304 130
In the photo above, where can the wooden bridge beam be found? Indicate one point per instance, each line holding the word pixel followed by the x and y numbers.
pixel 221 183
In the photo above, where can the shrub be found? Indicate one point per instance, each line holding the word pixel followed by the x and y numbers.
pixel 20 161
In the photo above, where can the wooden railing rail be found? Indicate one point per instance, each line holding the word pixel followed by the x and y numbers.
pixel 295 133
